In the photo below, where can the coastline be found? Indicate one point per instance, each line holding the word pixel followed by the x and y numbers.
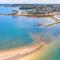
pixel 31 15
pixel 32 52
pixel 15 54
pixel 25 51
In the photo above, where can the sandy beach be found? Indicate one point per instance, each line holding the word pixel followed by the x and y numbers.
pixel 19 53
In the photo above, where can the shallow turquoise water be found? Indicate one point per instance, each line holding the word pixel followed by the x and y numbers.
pixel 15 32
pixel 51 53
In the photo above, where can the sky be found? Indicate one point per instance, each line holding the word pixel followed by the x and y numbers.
pixel 29 1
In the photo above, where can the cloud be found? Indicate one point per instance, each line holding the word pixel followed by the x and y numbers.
pixel 29 1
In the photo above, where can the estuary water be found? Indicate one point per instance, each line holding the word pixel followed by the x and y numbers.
pixel 20 31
